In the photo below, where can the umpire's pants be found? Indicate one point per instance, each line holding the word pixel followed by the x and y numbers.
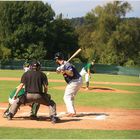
pixel 34 98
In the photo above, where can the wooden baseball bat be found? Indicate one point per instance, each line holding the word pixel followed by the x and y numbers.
pixel 77 52
pixel 69 59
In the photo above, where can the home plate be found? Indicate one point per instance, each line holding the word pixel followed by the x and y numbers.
pixel 100 117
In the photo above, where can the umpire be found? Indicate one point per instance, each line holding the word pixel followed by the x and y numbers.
pixel 35 81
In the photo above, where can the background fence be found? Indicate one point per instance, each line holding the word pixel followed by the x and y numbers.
pixel 50 65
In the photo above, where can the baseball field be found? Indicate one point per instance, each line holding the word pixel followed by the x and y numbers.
pixel 110 109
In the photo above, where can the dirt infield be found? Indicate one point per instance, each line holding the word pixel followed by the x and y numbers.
pixel 52 80
pixel 87 118
pixel 94 89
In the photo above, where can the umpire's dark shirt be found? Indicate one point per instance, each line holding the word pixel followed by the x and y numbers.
pixel 34 81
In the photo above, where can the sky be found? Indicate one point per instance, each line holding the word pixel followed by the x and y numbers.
pixel 79 8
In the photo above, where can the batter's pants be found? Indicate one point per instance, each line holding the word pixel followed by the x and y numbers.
pixel 70 93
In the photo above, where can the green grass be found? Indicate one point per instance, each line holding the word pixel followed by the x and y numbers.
pixel 96 77
pixel 18 73
pixel 109 100
pixel 115 78
pixel 6 87
pixel 11 73
pixel 106 100
pixel 135 89
pixel 20 133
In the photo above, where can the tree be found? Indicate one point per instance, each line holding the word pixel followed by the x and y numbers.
pixel 22 24
pixel 126 41
pixel 5 53
pixel 63 38
pixel 28 29
pixel 101 24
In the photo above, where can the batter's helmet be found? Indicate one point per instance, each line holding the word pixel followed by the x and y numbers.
pixel 58 55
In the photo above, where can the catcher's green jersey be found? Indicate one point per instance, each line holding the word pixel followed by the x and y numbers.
pixel 21 92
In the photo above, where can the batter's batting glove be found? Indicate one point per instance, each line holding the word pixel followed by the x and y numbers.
pixel 60 68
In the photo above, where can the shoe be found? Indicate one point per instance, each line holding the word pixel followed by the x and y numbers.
pixel 33 117
pixel 54 119
pixel 9 116
pixel 71 115
pixel 87 88
pixel 5 114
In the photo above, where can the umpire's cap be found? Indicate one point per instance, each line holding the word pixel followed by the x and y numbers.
pixel 35 64
pixel 58 55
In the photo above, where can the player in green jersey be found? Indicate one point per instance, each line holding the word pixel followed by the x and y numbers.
pixel 86 71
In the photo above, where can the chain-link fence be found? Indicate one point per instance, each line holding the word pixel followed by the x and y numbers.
pixel 50 65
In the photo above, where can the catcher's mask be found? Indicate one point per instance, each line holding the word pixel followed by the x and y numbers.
pixel 59 56
pixel 35 65
pixel 26 66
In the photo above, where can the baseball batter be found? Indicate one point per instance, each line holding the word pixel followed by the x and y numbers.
pixel 73 80
pixel 86 71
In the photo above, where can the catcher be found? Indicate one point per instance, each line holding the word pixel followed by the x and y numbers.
pixel 34 106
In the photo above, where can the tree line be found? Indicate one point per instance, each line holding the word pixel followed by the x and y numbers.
pixel 30 29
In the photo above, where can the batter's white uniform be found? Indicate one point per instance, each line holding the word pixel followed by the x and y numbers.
pixel 70 92
pixel 73 85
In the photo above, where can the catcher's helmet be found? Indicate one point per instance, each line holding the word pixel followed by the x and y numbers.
pixel 58 55
pixel 26 64
pixel 35 64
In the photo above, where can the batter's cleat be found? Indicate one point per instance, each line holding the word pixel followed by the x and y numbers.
pixel 33 117
pixel 71 115
pixel 54 119
pixel 9 116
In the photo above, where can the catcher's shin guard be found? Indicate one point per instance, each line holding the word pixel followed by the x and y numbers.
pixel 34 109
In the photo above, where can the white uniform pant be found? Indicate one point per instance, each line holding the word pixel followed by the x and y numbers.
pixel 84 73
pixel 70 93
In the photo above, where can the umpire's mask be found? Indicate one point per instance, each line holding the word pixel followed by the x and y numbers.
pixel 35 65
